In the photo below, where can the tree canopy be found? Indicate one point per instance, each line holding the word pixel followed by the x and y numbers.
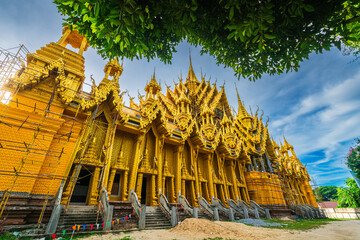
pixel 251 37
pixel 349 196
pixel 353 159
pixel 327 193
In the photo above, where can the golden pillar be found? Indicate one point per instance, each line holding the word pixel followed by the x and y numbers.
pixel 153 197
pixel 233 179
pixel 172 192
pixel 209 177
pixel 134 164
pixel 62 40
pixel 93 193
pixel 178 155
pixel 111 180
pixel 197 187
pixel 183 188
pixel 82 46
pixel 139 185
pixel 109 143
pixel 124 191
pixel 159 147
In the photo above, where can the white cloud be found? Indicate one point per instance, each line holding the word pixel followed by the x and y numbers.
pixel 326 120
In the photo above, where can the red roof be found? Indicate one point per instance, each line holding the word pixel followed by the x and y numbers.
pixel 328 204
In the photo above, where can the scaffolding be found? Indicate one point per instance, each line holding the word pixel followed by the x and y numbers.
pixel 274 190
pixel 12 65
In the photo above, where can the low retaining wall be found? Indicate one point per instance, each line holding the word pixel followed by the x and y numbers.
pixel 350 213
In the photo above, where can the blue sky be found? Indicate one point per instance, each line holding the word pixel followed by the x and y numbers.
pixel 316 108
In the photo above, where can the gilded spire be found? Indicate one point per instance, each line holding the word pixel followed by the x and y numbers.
pixel 191 79
pixel 113 69
pixel 191 75
pixel 242 113
pixel 225 119
pixel 152 88
pixel 275 144
pixel 286 144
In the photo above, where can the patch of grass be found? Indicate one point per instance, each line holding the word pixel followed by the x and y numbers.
pixel 302 225
pixel 7 236
pixel 126 238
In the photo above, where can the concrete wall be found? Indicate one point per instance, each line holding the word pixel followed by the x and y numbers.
pixel 351 213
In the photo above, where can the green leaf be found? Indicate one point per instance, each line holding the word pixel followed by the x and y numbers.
pixel 117 39
pixel 76 6
pixel 193 18
pixel 231 35
pixel 309 8
pixel 231 13
pixel 268 36
pixel 122 46
pixel 130 29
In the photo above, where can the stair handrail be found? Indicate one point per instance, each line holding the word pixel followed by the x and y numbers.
pixel 255 204
pixel 242 202
pixel 298 210
pixel 314 211
pixel 164 205
pixel 186 205
pixel 170 211
pixel 107 209
pixel 217 202
pixel 135 202
pixel 236 208
pixel 206 206
pixel 249 209
pixel 261 209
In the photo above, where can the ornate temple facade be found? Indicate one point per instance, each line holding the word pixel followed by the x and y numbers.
pixel 182 140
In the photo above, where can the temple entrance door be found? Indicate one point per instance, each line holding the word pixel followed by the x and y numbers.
pixel 220 192
pixel 144 190
pixel 82 187
pixel 205 191
pixel 115 190
pixel 231 193
pixel 166 188
pixel 169 189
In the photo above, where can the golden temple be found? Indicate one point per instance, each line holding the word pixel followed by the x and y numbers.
pixel 185 141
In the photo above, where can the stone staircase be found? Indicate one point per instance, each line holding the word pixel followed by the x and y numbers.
pixel 79 215
pixel 156 219
pixel 122 209
pixel 203 215
pixel 182 214
pixel 281 211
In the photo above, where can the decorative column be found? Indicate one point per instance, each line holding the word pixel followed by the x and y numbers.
pixel 172 192
pixel 109 143
pixel 159 148
pixel 82 46
pixel 183 188
pixel 124 189
pixel 233 179
pixel 111 180
pixel 93 193
pixel 197 182
pixel 194 197
pixel 135 163
pixel 139 185
pixel 64 37
pixel 209 177
pixel 153 198
pixel 177 179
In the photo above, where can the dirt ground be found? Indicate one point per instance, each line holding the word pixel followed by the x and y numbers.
pixel 200 229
